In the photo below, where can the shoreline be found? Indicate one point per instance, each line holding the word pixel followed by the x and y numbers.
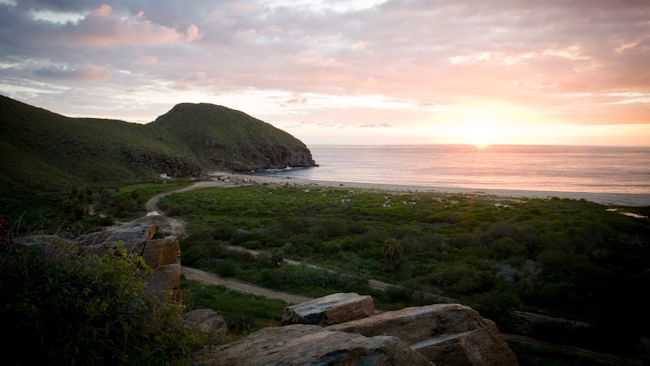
pixel 607 199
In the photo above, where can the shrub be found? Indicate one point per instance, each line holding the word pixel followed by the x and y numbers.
pixel 70 309
pixel 225 267
pixel 464 240
pixel 223 231
pixel 392 254
pixel 507 247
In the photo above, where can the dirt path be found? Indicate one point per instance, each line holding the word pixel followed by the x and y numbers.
pixel 208 278
pixel 172 226
pixel 373 284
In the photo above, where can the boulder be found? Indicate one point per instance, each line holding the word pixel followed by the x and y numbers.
pixel 482 346
pixel 164 278
pixel 331 309
pixel 302 344
pixel 159 252
pixel 447 334
pixel 206 321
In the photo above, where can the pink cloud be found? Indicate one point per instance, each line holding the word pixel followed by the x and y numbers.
pixel 314 58
pixel 103 11
pixel 146 60
pixel 192 33
pixel 102 28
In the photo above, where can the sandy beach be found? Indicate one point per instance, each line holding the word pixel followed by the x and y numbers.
pixel 609 199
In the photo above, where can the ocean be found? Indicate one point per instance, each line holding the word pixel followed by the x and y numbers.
pixel 617 170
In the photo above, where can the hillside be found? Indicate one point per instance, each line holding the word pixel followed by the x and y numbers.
pixel 223 137
pixel 44 151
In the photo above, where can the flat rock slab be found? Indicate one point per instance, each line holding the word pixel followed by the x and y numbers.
pixel 205 321
pixel 482 346
pixel 447 334
pixel 331 309
pixel 302 344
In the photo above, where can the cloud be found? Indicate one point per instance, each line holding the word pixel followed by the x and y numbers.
pixel 192 33
pixel 102 28
pixel 103 11
pixel 314 58
pixel 565 60
pixel 80 73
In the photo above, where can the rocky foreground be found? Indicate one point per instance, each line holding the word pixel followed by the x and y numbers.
pixel 338 329
pixel 442 334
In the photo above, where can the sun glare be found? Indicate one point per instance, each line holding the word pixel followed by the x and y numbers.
pixel 489 123
pixel 479 134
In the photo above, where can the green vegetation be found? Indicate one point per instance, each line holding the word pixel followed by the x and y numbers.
pixel 232 139
pixel 84 208
pixel 565 258
pixel 243 313
pixel 63 308
pixel 44 152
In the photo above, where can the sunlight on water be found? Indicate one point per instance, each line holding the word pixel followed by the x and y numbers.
pixel 539 168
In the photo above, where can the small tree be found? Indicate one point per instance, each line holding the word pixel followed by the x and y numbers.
pixel 392 254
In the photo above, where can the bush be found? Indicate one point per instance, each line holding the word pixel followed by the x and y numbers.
pixel 225 267
pixel 507 247
pixel 223 231
pixel 70 309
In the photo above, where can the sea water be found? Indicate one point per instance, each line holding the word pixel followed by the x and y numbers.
pixel 502 167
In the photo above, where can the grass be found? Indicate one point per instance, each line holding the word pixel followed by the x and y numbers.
pixel 560 257
pixel 243 313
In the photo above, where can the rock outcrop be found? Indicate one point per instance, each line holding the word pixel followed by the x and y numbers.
pixel 173 166
pixel 447 334
pixel 205 321
pixel 280 156
pixel 311 345
pixel 165 281
pixel 331 309
pixel 160 255
pixel 159 252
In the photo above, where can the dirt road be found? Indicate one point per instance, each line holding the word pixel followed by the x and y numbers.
pixel 208 278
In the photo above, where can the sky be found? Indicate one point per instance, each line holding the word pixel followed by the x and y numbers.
pixel 346 72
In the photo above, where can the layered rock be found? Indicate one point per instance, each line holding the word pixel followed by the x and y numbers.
pixel 280 156
pixel 159 252
pixel 331 309
pixel 165 280
pixel 206 321
pixel 311 345
pixel 447 334
pixel 173 166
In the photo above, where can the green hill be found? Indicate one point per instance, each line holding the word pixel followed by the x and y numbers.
pixel 43 151
pixel 223 137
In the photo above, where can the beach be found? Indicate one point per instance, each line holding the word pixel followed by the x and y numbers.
pixel 608 199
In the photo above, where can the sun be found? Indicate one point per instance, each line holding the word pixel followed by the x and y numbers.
pixel 480 134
